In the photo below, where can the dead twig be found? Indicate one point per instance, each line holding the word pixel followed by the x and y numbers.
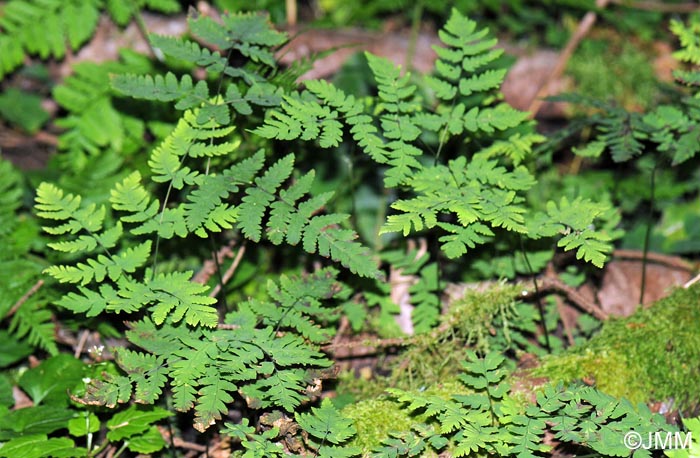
pixel 661 7
pixel 692 281
pixel 555 284
pixel 25 297
pixel 581 31
pixel 181 443
pixel 81 343
pixel 210 265
pixel 229 272
pixel 658 258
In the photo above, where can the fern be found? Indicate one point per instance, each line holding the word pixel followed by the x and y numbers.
pixel 470 197
pixel 206 369
pixel 489 420
pixel 51 28
pixel 248 34
pixel 256 445
pixel 22 303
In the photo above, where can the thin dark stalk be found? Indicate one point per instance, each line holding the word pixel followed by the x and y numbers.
pixel 538 299
pixel 647 235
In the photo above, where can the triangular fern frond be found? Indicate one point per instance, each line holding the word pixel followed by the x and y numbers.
pixel 250 34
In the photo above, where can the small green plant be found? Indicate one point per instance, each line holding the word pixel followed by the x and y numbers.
pixel 487 417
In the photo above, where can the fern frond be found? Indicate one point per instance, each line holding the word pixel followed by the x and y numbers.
pixel 215 394
pixel 93 123
pixel 296 305
pixel 33 322
pixel 163 89
pixel 189 138
pixel 110 391
pixel 259 198
pixel 472 192
pixel 326 424
pixel 302 119
pixel 250 34
pixel 205 210
pixel 189 51
pixel 463 237
pixel 52 203
pixel 177 297
pixel 96 269
pixel 46 28
pixel 147 372
pixel 206 368
pixel 574 221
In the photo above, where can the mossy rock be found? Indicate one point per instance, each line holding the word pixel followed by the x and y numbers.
pixel 652 355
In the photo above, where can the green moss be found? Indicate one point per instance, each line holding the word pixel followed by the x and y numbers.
pixel 376 418
pixel 651 355
pixel 613 69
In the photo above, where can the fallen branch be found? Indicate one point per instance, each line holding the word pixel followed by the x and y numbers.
pixel 581 31
pixel 661 7
pixel 229 272
pixel 25 297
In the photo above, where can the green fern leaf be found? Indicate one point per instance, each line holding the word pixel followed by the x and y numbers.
pixel 470 236
pixel 593 247
pixel 52 204
pixel 96 269
pixel 163 89
pixel 250 34
pixel 326 424
pixel 214 397
pixel 574 220
pixel 89 302
pixel 189 51
pixel 107 239
pixel 177 297
pixel 109 392
pixel 47 29
pixel 147 372
pixel 92 122
pixel 321 235
pixel 33 322
pixel 130 196
pixel 290 350
pixel 282 211
pixel 259 198
pixel 205 210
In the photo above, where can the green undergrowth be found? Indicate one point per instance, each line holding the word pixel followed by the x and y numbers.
pixel 629 78
pixel 650 355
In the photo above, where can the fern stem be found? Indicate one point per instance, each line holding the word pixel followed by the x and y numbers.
pixel 143 31
pixel 538 299
pixel 413 39
pixel 215 254
pixel 647 234
pixel 162 215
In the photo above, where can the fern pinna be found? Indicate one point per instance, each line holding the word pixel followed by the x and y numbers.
pixel 469 197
